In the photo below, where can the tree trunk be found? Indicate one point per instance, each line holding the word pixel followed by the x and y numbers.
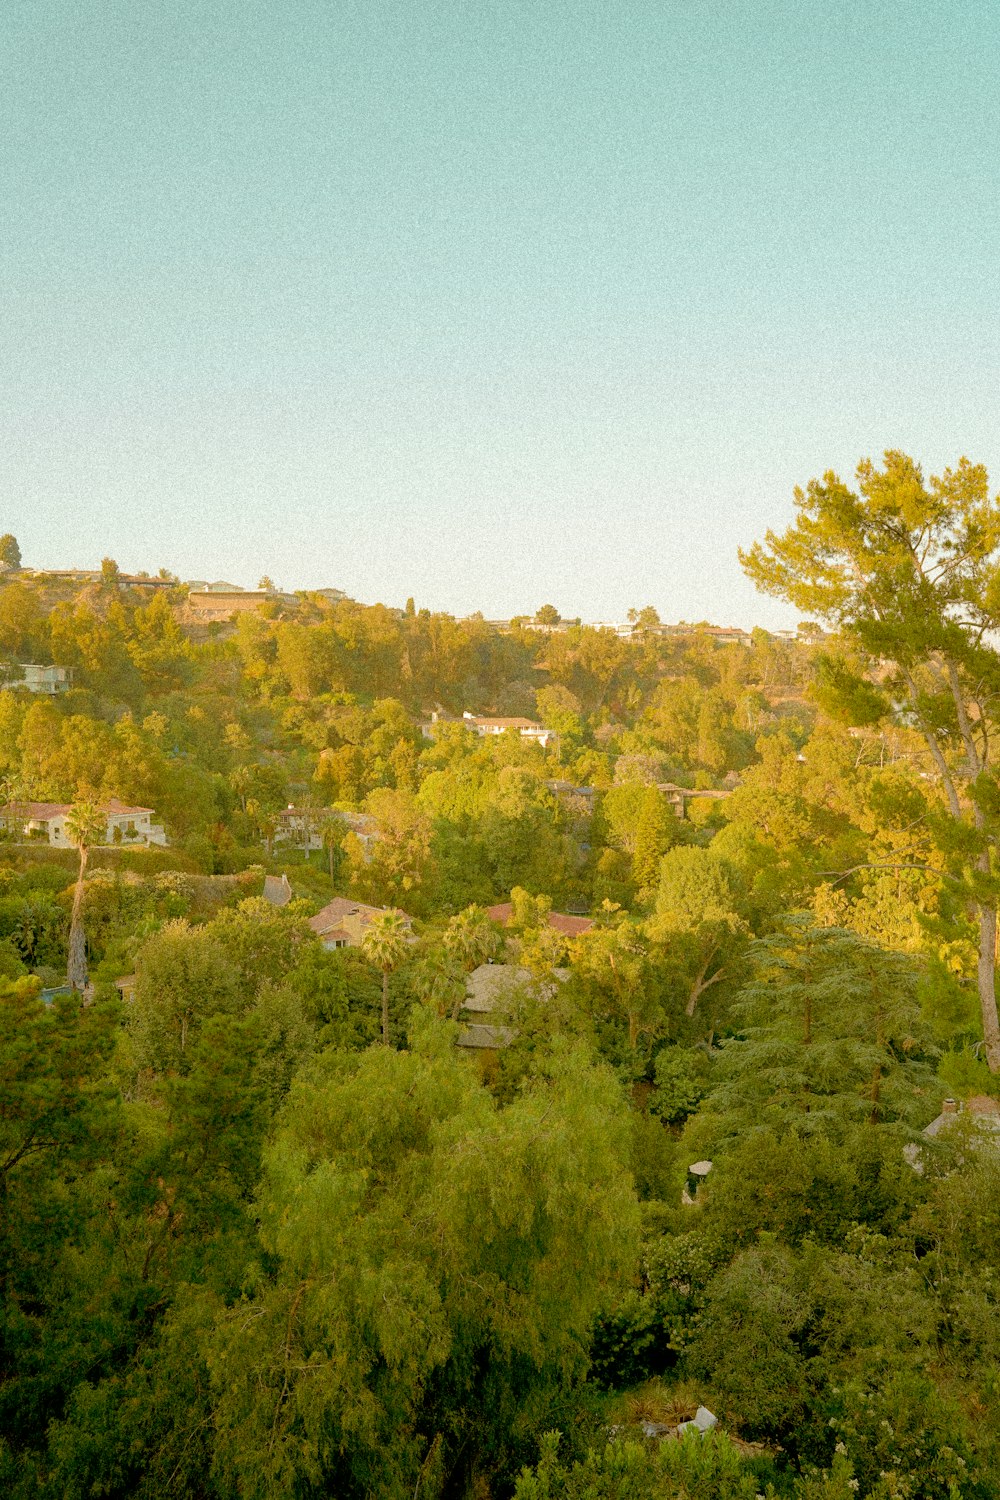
pixel 385 1007
pixel 987 985
pixel 76 964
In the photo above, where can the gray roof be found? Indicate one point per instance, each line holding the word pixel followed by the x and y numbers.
pixel 981 1110
pixel 483 1038
pixel 491 983
pixel 277 890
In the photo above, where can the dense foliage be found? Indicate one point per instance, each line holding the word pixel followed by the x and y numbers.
pixel 266 1230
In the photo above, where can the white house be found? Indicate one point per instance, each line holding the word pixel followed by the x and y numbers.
pixel 528 729
pixel 44 679
pixel 46 822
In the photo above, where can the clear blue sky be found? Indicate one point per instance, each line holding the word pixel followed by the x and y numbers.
pixel 492 303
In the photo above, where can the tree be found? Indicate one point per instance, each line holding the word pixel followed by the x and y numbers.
pixel 266 582
pixel 481 1242
pixel 830 1032
pixel 383 944
pixel 547 615
pixel 10 553
pixel 183 976
pixel 332 830
pixel 697 915
pixel 909 572
pixel 473 938
pixel 644 620
pixel 85 824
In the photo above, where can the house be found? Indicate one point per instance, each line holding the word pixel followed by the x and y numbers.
pixel 301 826
pixel 561 921
pixel 498 985
pixel 483 1038
pixel 490 984
pixel 342 923
pixel 680 796
pixel 528 729
pixel 44 679
pixel 46 822
pixel 364 827
pixel 486 987
pixel 981 1113
pixel 222 602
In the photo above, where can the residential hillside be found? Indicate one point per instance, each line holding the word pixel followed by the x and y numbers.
pixel 467 1060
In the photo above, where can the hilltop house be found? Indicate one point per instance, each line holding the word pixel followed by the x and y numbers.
pixel 528 729
pixel 342 923
pixel 46 822
pixel 222 601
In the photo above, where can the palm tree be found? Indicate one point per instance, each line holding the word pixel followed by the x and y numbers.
pixel 332 830
pixel 85 824
pixel 439 980
pixel 383 944
pixel 473 937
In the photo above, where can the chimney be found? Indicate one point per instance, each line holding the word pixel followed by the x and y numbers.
pixel 949 1107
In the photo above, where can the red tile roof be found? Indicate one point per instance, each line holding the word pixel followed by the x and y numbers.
pixel 37 812
pixel 41 812
pixel 560 921
pixel 335 911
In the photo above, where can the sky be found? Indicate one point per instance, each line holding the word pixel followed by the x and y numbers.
pixel 491 303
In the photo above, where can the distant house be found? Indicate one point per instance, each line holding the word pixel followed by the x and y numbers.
pixel 300 826
pixel 561 921
pixel 981 1110
pixel 223 601
pixel 46 822
pixel 491 984
pixel 528 729
pixel 364 827
pixel 45 679
pixel 343 923
pixel 680 796
pixel 581 797
pixel 483 1038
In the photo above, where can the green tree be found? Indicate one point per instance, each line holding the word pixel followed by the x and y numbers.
pixel 333 830
pixel 644 620
pixel 547 614
pixel 909 572
pixel 384 944
pixel 480 1243
pixel 698 916
pixel 473 938
pixel 831 1034
pixel 183 976
pixel 10 553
